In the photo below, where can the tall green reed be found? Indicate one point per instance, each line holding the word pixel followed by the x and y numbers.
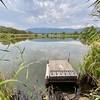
pixel 10 82
pixel 91 61
pixel 7 85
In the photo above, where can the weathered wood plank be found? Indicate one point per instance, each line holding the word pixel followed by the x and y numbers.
pixel 59 65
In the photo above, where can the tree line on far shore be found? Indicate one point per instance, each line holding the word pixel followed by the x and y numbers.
pixel 4 31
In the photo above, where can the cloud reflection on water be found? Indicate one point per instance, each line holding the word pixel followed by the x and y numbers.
pixel 44 51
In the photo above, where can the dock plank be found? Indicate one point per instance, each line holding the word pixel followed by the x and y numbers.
pixel 60 71
pixel 59 65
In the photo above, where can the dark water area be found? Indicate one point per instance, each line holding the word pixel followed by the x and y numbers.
pixel 65 87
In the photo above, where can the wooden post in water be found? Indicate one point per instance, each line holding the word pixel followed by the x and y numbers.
pixel 69 57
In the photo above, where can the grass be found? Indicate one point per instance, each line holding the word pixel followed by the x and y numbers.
pixel 91 63
pixel 7 86
pixel 92 60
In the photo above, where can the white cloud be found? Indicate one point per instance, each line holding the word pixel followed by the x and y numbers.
pixel 6 23
pixel 46 13
pixel 32 19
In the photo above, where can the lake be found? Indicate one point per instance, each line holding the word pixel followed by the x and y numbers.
pixel 37 52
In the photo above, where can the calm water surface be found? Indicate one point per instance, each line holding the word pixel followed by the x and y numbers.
pixel 39 51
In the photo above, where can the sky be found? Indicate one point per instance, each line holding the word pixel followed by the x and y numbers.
pixel 24 14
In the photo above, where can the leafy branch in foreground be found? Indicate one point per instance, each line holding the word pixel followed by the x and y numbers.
pixel 96 8
pixel 4 4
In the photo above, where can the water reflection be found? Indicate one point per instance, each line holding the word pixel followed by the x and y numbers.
pixel 40 51
pixel 20 39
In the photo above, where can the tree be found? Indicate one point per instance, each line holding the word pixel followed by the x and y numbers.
pixel 75 33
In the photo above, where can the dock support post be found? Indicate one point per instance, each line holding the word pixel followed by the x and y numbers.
pixel 69 57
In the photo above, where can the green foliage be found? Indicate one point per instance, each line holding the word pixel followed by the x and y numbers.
pixel 92 60
pixel 89 34
pixel 75 33
pixel 11 30
pixel 7 85
pixel 5 88
pixel 92 96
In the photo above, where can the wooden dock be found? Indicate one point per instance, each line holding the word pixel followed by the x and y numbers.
pixel 60 71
